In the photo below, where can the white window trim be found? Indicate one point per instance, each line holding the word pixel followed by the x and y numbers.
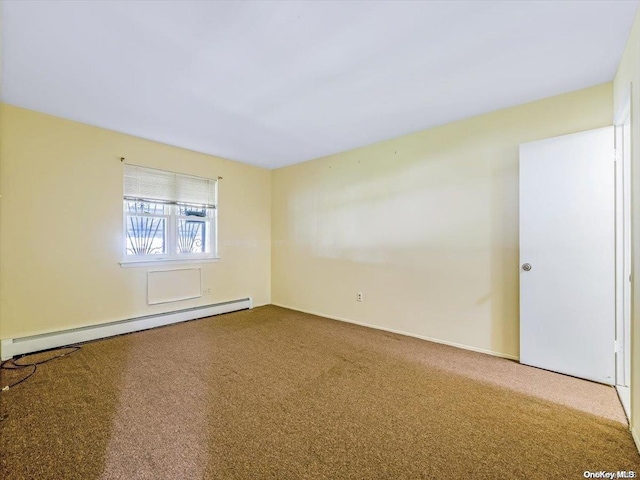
pixel 171 220
pixel 167 261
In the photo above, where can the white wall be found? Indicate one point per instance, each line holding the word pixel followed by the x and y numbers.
pixel 61 216
pixel 426 225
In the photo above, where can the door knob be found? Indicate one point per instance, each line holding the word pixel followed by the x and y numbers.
pixel 526 267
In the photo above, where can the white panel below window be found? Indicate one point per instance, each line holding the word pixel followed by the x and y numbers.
pixel 166 286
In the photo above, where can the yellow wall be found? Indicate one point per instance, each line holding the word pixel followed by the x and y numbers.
pixel 628 74
pixel 425 225
pixel 61 237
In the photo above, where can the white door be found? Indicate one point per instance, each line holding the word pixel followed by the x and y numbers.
pixel 567 255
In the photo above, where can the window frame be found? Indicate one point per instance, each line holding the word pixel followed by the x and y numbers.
pixel 172 217
pixel 172 256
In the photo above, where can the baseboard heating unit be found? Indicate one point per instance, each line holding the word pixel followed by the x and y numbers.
pixel 18 346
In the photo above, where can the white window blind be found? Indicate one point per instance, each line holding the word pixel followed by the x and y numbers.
pixel 143 183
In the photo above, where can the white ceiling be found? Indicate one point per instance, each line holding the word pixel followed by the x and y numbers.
pixel 276 83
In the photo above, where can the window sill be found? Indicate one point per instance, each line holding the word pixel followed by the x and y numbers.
pixel 166 262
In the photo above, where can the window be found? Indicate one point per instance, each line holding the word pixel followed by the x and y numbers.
pixel 168 216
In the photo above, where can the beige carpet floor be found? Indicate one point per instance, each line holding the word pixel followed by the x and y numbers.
pixel 273 393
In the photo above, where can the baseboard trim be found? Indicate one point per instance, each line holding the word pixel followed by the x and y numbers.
pixel 400 332
pixel 11 347
pixel 636 438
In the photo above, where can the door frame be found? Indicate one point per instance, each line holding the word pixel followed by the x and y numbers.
pixel 623 253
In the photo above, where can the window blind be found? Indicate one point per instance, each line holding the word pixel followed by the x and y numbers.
pixel 143 183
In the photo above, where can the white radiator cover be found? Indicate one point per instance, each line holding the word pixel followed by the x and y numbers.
pixel 18 346
pixel 165 286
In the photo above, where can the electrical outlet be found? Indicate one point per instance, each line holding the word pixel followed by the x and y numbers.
pixel 206 291
pixel 360 297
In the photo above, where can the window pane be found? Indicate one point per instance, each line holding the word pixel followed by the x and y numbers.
pixel 192 211
pixel 146 235
pixel 192 236
pixel 144 207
